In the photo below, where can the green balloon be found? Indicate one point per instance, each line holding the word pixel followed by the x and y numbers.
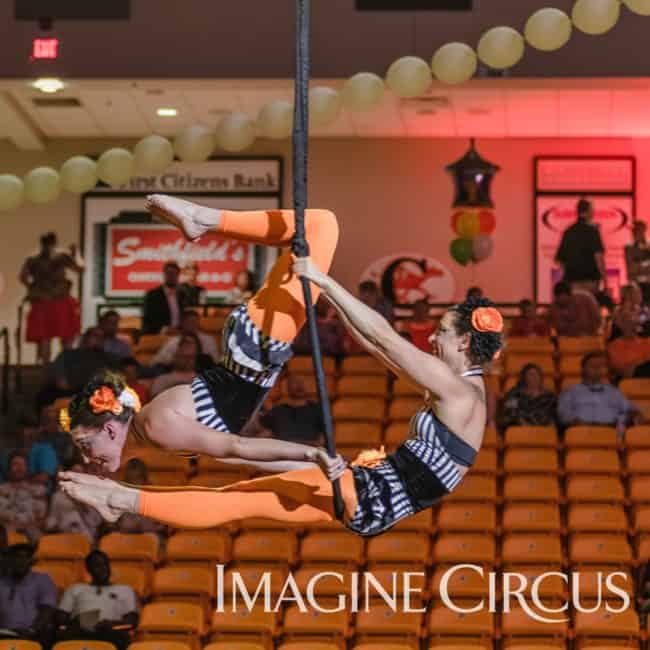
pixel 461 250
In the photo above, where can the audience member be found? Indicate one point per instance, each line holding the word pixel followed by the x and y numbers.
pixel 593 401
pixel 331 332
pixel 49 431
pixel 421 326
pixel 629 354
pixel 99 611
pixel 109 323
pixel 243 289
pixel 190 323
pixel 27 598
pixel 574 313
pixel 130 368
pixel 54 313
pixel 528 402
pixel 528 323
pixel 164 305
pixel 193 294
pixel 630 311
pixel 581 251
pixel 370 295
pixel 637 259
pixel 474 293
pixel 183 369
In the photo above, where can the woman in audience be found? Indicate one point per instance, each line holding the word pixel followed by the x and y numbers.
pixel 528 402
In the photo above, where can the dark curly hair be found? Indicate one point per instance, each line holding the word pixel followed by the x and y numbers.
pixel 483 345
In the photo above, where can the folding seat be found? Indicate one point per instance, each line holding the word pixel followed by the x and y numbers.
pixel 372 645
pixel 449 626
pixel 422 522
pixel 362 365
pixel 370 409
pixel 395 580
pixel 462 583
pixel 63 547
pixel 579 345
pixel 404 408
pixel 515 362
pixel 592 461
pixel 599 549
pixel 596 518
pixel 486 462
pixel 529 345
pixel 303 365
pixel 402 387
pixel 326 580
pixel 266 546
pixel 251 624
pixel 591 437
pixel 477 645
pixel 313 624
pixel 208 547
pixel 307 645
pixel 133 576
pixel 548 382
pixel 249 577
pixel 143 548
pixel 475 487
pixel 636 388
pixel 358 433
pixel 644 547
pixel 602 626
pixel 531 487
pixel 637 437
pixel 595 489
pixel 518 626
pixel 570 365
pixel 362 386
pixel 336 547
pixel 159 644
pixel 396 548
pixel 311 388
pixel 14 537
pixel 83 645
pixel 532 517
pixel 396 433
pixel 382 624
pixel 638 461
pixel 188 583
pixel 212 324
pixel 551 588
pixel 467 517
pixel 19 644
pixel 642 519
pixel 147 346
pixel 235 645
pixel 491 438
pixel 640 489
pixel 531 436
pixel 470 548
pixel 536 460
pixel 591 585
pixel 176 620
pixel 63 575
pixel 518 548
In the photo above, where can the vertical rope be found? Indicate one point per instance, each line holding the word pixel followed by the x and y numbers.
pixel 300 247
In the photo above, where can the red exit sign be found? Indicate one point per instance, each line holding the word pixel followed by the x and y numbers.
pixel 45 48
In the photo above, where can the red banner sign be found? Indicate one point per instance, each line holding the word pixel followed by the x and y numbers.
pixel 136 254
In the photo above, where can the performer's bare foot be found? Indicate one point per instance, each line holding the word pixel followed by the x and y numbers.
pixel 109 498
pixel 194 220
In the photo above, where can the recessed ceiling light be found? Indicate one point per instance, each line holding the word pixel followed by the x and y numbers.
pixel 49 84
pixel 167 112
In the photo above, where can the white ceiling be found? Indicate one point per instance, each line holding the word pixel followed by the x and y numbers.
pixel 499 108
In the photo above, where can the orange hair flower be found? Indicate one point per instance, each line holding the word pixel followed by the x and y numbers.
pixel 370 458
pixel 104 401
pixel 487 319
pixel 64 420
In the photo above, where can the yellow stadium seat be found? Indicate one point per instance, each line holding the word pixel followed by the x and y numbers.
pixel 266 546
pixel 602 625
pixel 199 546
pixel 533 518
pixel 141 547
pixel 362 386
pixel 591 587
pixel 159 644
pixel 531 436
pixel 339 547
pixel 635 388
pixel 250 576
pixel 212 324
pixel 394 547
pixel 302 365
pixel 444 624
pixel 306 645
pixel 642 519
pixel 373 645
pixel 234 645
pixel 640 489
pixel 462 582
pixel 579 345
pixel 421 522
pixel 382 621
pixel 63 546
pixel 133 576
pixel 570 365
pixel 475 487
pixel 519 548
pixel 309 382
pixel 83 645
pixel 477 549
pixel 591 437
pixel 180 582
pixel 529 344
pixel 359 408
pixel 326 580
pixel 539 460
pixel 63 574
pixel 491 439
pixel 637 437
pixel 518 624
pixel 596 518
pixel 531 487
pixel 362 365
pixel 358 433
pixel 396 433
pixel 511 382
pixel 638 462
pixel 599 549
pixel 595 489
pixel 486 462
pixel 515 362
pixel 148 345
pixel 14 537
pixel 549 588
pixel 172 618
pixel 468 517
pixel 644 547
pixel 592 461
pixel 19 644
pixel 441 645
pixel 396 579
pixel 404 408
pixel 402 387
pixel 313 623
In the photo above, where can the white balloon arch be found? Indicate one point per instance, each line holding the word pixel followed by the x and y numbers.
pixel 500 47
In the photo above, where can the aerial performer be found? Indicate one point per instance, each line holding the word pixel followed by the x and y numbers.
pixel 378 490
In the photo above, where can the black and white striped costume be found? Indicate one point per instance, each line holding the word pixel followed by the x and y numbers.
pixel 385 493
pixel 227 396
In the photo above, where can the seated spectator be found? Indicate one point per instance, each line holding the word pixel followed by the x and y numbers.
pixel 421 326
pixel 630 311
pixel 528 323
pixel 574 313
pixel 100 611
pixel 23 502
pixel 629 354
pixel 370 295
pixel 130 368
pixel 244 288
pixel 593 401
pixel 115 346
pixel 184 366
pixel 474 293
pixel 190 322
pixel 193 294
pixel 331 332
pixel 528 402
pixel 27 598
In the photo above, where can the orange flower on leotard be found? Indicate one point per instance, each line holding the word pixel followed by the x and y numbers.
pixel 487 319
pixel 370 458
pixel 105 401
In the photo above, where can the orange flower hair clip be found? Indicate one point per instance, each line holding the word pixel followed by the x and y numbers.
pixel 104 400
pixel 487 319
pixel 64 420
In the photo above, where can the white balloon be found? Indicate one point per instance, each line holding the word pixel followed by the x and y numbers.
pixel 275 120
pixel 641 7
pixel 115 167
pixel 236 132
pixel 324 105
pixel 548 29
pixel 42 185
pixel 501 47
pixel 12 192
pixel 409 76
pixel 454 63
pixel 195 143
pixel 363 92
pixel 153 154
pixel 595 17
pixel 79 174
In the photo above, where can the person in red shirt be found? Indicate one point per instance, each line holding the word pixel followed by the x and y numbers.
pixel 421 326
pixel 528 323
pixel 629 351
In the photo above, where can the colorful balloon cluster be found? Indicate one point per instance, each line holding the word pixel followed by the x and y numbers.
pixel 473 227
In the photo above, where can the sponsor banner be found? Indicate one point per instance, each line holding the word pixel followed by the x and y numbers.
pixel 585 175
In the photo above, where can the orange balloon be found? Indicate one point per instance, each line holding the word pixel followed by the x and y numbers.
pixel 468 224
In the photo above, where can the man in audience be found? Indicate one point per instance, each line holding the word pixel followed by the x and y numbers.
pixel 27 598
pixel 100 611
pixel 164 305
pixel 370 295
pixel 109 323
pixel 581 251
pixel 629 354
pixel 528 323
pixel 184 366
pixel 574 313
pixel 421 326
pixel 637 259
pixel 593 401
pixel 130 368
pixel 331 332
pixel 190 322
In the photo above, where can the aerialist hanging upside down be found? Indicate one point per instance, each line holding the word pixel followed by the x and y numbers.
pixel 378 490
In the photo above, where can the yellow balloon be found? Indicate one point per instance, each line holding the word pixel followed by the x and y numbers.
pixel 454 63
pixel 548 29
pixel 501 47
pixel 641 7
pixel 595 16
pixel 468 224
pixel 12 191
pixel 409 76
pixel 363 92
pixel 42 185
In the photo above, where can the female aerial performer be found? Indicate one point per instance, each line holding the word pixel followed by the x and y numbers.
pixel 378 490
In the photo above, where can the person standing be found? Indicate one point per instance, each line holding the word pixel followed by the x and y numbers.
pixel 164 305
pixel 637 259
pixel 581 252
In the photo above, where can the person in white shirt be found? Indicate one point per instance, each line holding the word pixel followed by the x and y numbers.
pixel 99 611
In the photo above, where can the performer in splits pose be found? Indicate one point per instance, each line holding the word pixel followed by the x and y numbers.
pixel 378 490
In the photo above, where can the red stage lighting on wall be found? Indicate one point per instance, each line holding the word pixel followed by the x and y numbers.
pixel 45 49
